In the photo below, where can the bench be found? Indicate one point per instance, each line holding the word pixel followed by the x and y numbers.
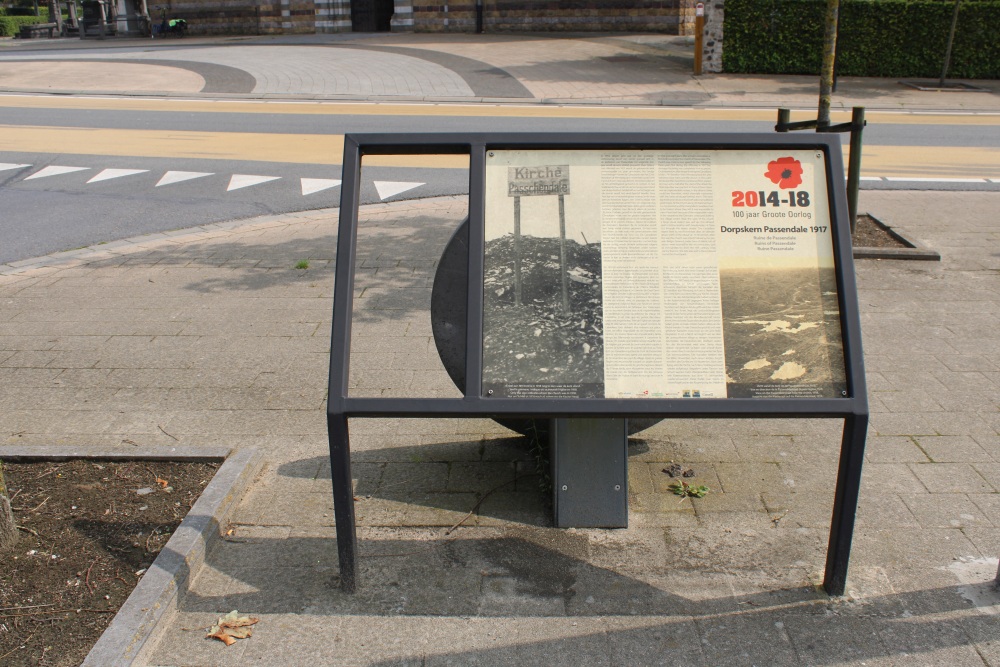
pixel 37 30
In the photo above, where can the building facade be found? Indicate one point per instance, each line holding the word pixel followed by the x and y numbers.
pixel 673 17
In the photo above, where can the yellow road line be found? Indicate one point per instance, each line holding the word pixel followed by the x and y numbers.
pixel 929 161
pixel 293 148
pixel 468 110
pixel 327 149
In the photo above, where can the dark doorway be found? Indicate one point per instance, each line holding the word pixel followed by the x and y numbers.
pixel 371 15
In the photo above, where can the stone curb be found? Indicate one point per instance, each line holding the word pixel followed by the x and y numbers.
pixel 697 102
pixel 914 250
pixel 135 624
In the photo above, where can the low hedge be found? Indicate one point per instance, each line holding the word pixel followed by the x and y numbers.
pixel 885 38
pixel 23 11
pixel 10 26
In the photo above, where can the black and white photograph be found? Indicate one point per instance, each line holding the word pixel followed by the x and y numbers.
pixel 543 333
pixel 782 333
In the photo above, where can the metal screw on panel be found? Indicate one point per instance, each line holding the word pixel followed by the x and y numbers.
pixel 565 488
pixel 618 487
pixel 491 153
pixel 843 393
pixel 489 392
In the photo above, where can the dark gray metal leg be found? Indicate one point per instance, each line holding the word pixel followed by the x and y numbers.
pixel 845 503
pixel 590 472
pixel 343 501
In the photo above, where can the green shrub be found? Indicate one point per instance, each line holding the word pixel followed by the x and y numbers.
pixel 887 38
pixel 10 26
pixel 25 11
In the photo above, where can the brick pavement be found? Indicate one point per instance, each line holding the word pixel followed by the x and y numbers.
pixel 213 337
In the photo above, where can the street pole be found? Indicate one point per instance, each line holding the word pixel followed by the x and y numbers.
pixel 699 37
pixel 854 165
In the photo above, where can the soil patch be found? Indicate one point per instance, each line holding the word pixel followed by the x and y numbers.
pixel 868 233
pixel 90 529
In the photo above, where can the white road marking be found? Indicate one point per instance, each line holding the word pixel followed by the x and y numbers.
pixel 246 180
pixel 313 185
pixel 108 174
pixel 172 177
pixel 55 171
pixel 914 179
pixel 388 189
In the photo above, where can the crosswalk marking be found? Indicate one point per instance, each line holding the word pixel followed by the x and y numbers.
pixel 314 185
pixel 388 189
pixel 54 171
pixel 246 180
pixel 172 177
pixel 108 174
pixel 385 189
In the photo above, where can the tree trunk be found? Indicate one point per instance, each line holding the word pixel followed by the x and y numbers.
pixel 8 529
pixel 826 69
pixel 951 41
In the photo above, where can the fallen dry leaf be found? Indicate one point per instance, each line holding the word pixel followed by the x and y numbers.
pixel 162 482
pixel 222 636
pixel 231 627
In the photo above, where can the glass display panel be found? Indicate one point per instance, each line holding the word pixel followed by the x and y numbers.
pixel 660 274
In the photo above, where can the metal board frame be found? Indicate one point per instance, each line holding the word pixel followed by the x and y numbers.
pixel 853 408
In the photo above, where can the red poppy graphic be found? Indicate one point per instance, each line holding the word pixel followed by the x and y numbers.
pixel 785 171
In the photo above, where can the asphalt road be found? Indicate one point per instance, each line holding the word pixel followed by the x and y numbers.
pixel 79 171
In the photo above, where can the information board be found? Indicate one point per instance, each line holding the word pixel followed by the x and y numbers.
pixel 660 274
pixel 630 276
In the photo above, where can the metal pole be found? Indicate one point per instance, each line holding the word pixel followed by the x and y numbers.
pixel 845 503
pixel 784 117
pixel 854 165
pixel 562 253
pixel 343 501
pixel 340 366
pixel 699 38
pixel 517 251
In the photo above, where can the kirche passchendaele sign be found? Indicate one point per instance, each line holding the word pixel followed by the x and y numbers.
pixel 697 276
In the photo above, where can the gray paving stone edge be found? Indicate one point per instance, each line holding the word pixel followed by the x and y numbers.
pixel 134 627
pixel 914 249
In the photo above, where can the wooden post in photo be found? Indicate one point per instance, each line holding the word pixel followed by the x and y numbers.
pixel 562 254
pixel 517 251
